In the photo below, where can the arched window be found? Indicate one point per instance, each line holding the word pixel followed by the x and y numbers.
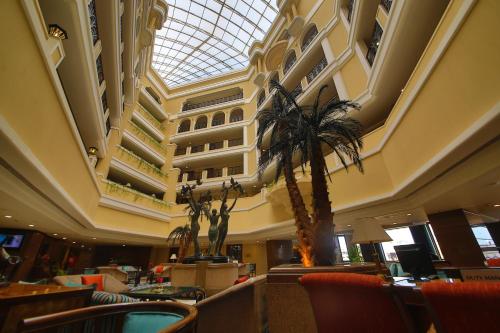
pixel 185 126
pixel 309 37
pixel 274 77
pixel 219 119
pixel 261 98
pixel 236 115
pixel 290 61
pixel 201 122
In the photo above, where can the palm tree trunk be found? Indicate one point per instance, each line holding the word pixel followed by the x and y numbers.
pixel 302 219
pixel 323 239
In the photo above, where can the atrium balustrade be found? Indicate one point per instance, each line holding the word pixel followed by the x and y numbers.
pixel 350 9
pixel 216 101
pixel 197 149
pixel 309 38
pixel 185 126
pixel 216 145
pixel 234 170
pixel 93 22
pixel 201 123
pixel 218 119
pixel 386 4
pixel 214 172
pixel 261 98
pixel 202 147
pixel 316 70
pixel 374 43
pixel 180 151
pixel 236 115
pixel 290 61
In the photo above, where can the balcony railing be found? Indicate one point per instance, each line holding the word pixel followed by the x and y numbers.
pixel 308 39
pixel 316 70
pixel 200 125
pixel 386 4
pixel 151 119
pixel 216 145
pixel 184 128
pixel 194 175
pixel 374 43
pixel 180 151
pixel 104 102
pixel 290 61
pixel 153 94
pixel 235 142
pixel 297 91
pixel 140 163
pixel 234 170
pixel 93 21
pixel 197 149
pixel 100 71
pixel 350 8
pixel 192 106
pixel 146 138
pixel 214 173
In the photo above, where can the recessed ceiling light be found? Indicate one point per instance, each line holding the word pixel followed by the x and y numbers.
pixel 348 225
pixel 83 245
pixel 94 238
pixel 8 216
pixel 394 223
pixel 73 242
pixel 496 205
pixel 123 245
pixel 409 214
pixel 54 234
pixel 31 225
pixel 65 238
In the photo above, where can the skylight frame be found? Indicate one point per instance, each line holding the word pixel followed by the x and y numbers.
pixel 189 48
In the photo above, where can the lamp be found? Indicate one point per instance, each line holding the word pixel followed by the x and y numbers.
pixel 370 233
pixel 57 31
pixel 173 257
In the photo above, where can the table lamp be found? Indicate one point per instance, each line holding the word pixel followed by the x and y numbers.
pixel 370 233
pixel 173 257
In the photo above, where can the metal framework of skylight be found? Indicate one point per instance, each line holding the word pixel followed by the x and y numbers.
pixel 203 38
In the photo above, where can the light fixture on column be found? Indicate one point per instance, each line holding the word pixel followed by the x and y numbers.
pixel 92 153
pixel 370 233
pixel 57 32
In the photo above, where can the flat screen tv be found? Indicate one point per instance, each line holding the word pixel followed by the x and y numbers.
pixel 10 241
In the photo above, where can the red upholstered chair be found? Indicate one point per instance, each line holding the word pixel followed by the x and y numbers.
pixel 463 307
pixel 493 262
pixel 348 302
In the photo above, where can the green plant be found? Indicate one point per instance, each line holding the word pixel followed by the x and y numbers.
pixel 141 162
pixel 143 111
pixel 354 254
pixel 184 236
pixel 115 187
pixel 307 131
pixel 146 137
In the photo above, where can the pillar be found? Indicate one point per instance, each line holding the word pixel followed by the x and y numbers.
pixel 456 239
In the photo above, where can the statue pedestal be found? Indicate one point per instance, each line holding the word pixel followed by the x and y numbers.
pixel 214 259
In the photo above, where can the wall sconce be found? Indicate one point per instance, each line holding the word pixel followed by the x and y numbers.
pixel 92 152
pixel 57 32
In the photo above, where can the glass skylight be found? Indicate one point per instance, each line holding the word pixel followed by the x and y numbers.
pixel 203 38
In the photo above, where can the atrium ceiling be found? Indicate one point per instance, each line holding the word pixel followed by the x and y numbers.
pixel 204 38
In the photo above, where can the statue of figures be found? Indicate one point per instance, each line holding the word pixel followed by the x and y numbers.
pixel 224 213
pixel 212 231
pixel 195 208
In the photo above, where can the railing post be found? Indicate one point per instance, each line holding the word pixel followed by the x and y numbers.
pixel 224 172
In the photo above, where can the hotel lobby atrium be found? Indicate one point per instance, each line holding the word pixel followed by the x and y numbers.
pixel 250 166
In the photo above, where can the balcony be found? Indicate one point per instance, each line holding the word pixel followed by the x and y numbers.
pixel 214 173
pixel 227 99
pixel 350 8
pixel 179 151
pixel 93 22
pixel 136 162
pixel 216 145
pixel 152 105
pixel 145 138
pixel 316 70
pixel 235 170
pixel 148 123
pixel 150 118
pixel 386 4
pixel 374 43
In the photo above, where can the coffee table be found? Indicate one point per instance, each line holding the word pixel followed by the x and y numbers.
pixel 167 293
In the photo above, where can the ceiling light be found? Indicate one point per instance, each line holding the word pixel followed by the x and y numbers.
pixel 57 31
pixel 54 234
pixel 65 238
pixel 409 214
pixel 348 225
pixel 31 225
pixel 496 205
pixel 394 223
pixel 123 245
pixel 8 216
pixel 73 242
pixel 83 245
pixel 94 238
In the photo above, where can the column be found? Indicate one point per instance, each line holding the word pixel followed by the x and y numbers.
pixel 456 239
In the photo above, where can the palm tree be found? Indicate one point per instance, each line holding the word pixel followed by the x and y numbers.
pixel 281 120
pixel 316 128
pixel 184 236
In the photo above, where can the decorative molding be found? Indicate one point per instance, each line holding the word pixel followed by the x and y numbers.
pixel 137 174
pixel 129 207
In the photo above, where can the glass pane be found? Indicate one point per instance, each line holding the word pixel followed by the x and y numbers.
pixel 343 248
pixel 400 236
pixel 485 241
pixel 217 33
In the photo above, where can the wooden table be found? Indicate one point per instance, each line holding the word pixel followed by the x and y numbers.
pixel 20 301
pixel 168 293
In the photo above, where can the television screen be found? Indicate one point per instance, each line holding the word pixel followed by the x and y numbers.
pixel 11 241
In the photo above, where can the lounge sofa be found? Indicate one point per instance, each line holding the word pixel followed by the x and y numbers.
pixel 241 308
pixel 110 283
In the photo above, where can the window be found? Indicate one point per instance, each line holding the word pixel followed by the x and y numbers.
pixel 184 126
pixel 485 241
pixel 236 115
pixel 400 236
pixel 343 248
pixel 218 119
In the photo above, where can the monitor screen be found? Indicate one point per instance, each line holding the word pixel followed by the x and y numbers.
pixel 11 241
pixel 415 260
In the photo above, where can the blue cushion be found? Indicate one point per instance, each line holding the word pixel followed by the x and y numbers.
pixel 142 322
pixel 73 284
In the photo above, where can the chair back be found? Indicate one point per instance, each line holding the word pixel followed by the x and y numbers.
pixel 114 318
pixel 350 302
pixel 493 262
pixel 463 307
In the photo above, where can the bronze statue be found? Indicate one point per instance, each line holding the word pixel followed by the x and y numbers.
pixel 212 231
pixel 195 208
pixel 224 212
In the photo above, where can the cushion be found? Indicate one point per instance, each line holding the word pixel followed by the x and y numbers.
pixel 93 279
pixel 241 279
pixel 103 297
pixel 159 269
pixel 140 322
